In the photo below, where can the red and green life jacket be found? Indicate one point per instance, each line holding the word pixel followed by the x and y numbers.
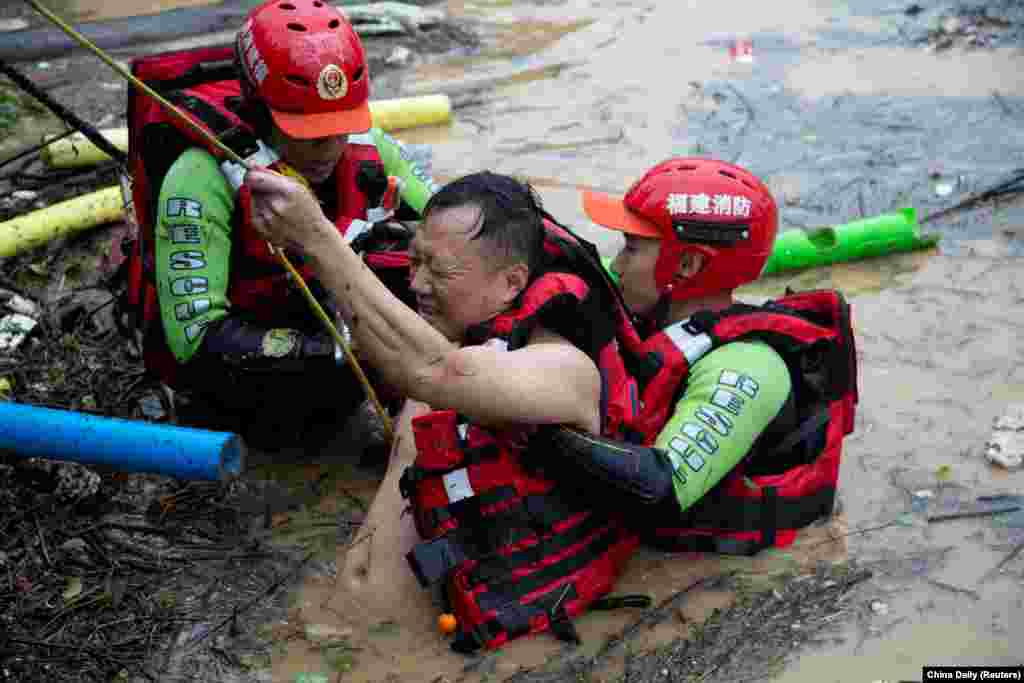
pixel 788 479
pixel 514 556
pixel 204 83
pixel 518 556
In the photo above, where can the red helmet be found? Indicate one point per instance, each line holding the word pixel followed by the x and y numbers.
pixel 717 209
pixel 305 61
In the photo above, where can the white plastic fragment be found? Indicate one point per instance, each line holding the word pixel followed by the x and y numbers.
pixel 16 24
pixel 1012 419
pixel 1005 447
pixel 14 329
pixel 400 56
pixel 879 607
pixel 19 304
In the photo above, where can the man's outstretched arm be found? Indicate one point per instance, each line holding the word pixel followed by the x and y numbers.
pixel 547 382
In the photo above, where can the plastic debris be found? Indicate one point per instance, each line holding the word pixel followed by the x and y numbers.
pixel 18 322
pixel 152 408
pixel 742 50
pixel 943 189
pixel 73 590
pixel 14 329
pixel 399 56
pixel 24 195
pixel 7 25
pixel 19 304
pixel 383 18
pixel 919 502
pixel 1005 447
pixel 879 607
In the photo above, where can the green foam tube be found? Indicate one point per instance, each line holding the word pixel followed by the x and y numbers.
pixel 886 234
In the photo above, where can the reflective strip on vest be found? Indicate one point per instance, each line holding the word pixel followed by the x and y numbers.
pixel 693 346
pixel 457 485
pixel 235 172
pixel 355 229
pixel 362 139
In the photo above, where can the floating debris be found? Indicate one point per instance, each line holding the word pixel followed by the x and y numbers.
pixel 1005 447
pixel 14 329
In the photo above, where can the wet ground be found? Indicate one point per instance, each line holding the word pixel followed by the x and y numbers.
pixel 847 110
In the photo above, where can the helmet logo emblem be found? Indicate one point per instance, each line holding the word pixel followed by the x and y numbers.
pixel 332 84
pixel 703 204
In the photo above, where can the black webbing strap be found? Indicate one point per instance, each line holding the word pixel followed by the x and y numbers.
pixel 747 514
pixel 241 141
pixel 199 74
pixel 500 594
pixel 497 566
pixel 769 515
pixel 802 434
pixel 766 514
pixel 515 619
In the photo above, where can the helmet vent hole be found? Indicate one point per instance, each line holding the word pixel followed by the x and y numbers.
pixel 357 74
pixel 297 27
pixel 687 167
pixel 748 183
pixel 297 80
pixel 727 174
pixel 287 6
pixel 334 23
pixel 318 4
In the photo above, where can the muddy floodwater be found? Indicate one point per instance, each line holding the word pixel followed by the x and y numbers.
pixel 843 121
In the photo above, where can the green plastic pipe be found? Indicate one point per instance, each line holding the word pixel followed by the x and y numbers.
pixel 886 234
pixel 889 233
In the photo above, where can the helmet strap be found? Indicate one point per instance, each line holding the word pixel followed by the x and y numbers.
pixel 658 317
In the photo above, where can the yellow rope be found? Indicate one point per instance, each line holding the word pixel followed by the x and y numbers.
pixel 230 153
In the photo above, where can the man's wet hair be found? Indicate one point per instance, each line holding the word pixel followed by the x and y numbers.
pixel 511 221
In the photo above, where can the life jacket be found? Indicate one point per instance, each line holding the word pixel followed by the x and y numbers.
pixel 788 479
pixel 204 83
pixel 514 555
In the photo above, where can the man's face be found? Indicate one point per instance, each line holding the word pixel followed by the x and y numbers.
pixel 635 267
pixel 455 282
pixel 315 159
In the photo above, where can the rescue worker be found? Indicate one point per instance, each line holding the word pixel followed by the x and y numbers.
pixel 232 333
pixel 749 396
pixel 498 347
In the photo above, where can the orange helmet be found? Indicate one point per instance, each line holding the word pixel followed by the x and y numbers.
pixel 306 63
pixel 722 211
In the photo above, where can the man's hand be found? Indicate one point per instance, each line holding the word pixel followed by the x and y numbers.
pixel 284 211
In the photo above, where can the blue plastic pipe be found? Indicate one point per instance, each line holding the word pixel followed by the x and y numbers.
pixel 127 445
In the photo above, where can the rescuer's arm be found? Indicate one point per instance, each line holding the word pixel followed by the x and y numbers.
pixel 549 381
pixel 732 395
pixel 193 243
